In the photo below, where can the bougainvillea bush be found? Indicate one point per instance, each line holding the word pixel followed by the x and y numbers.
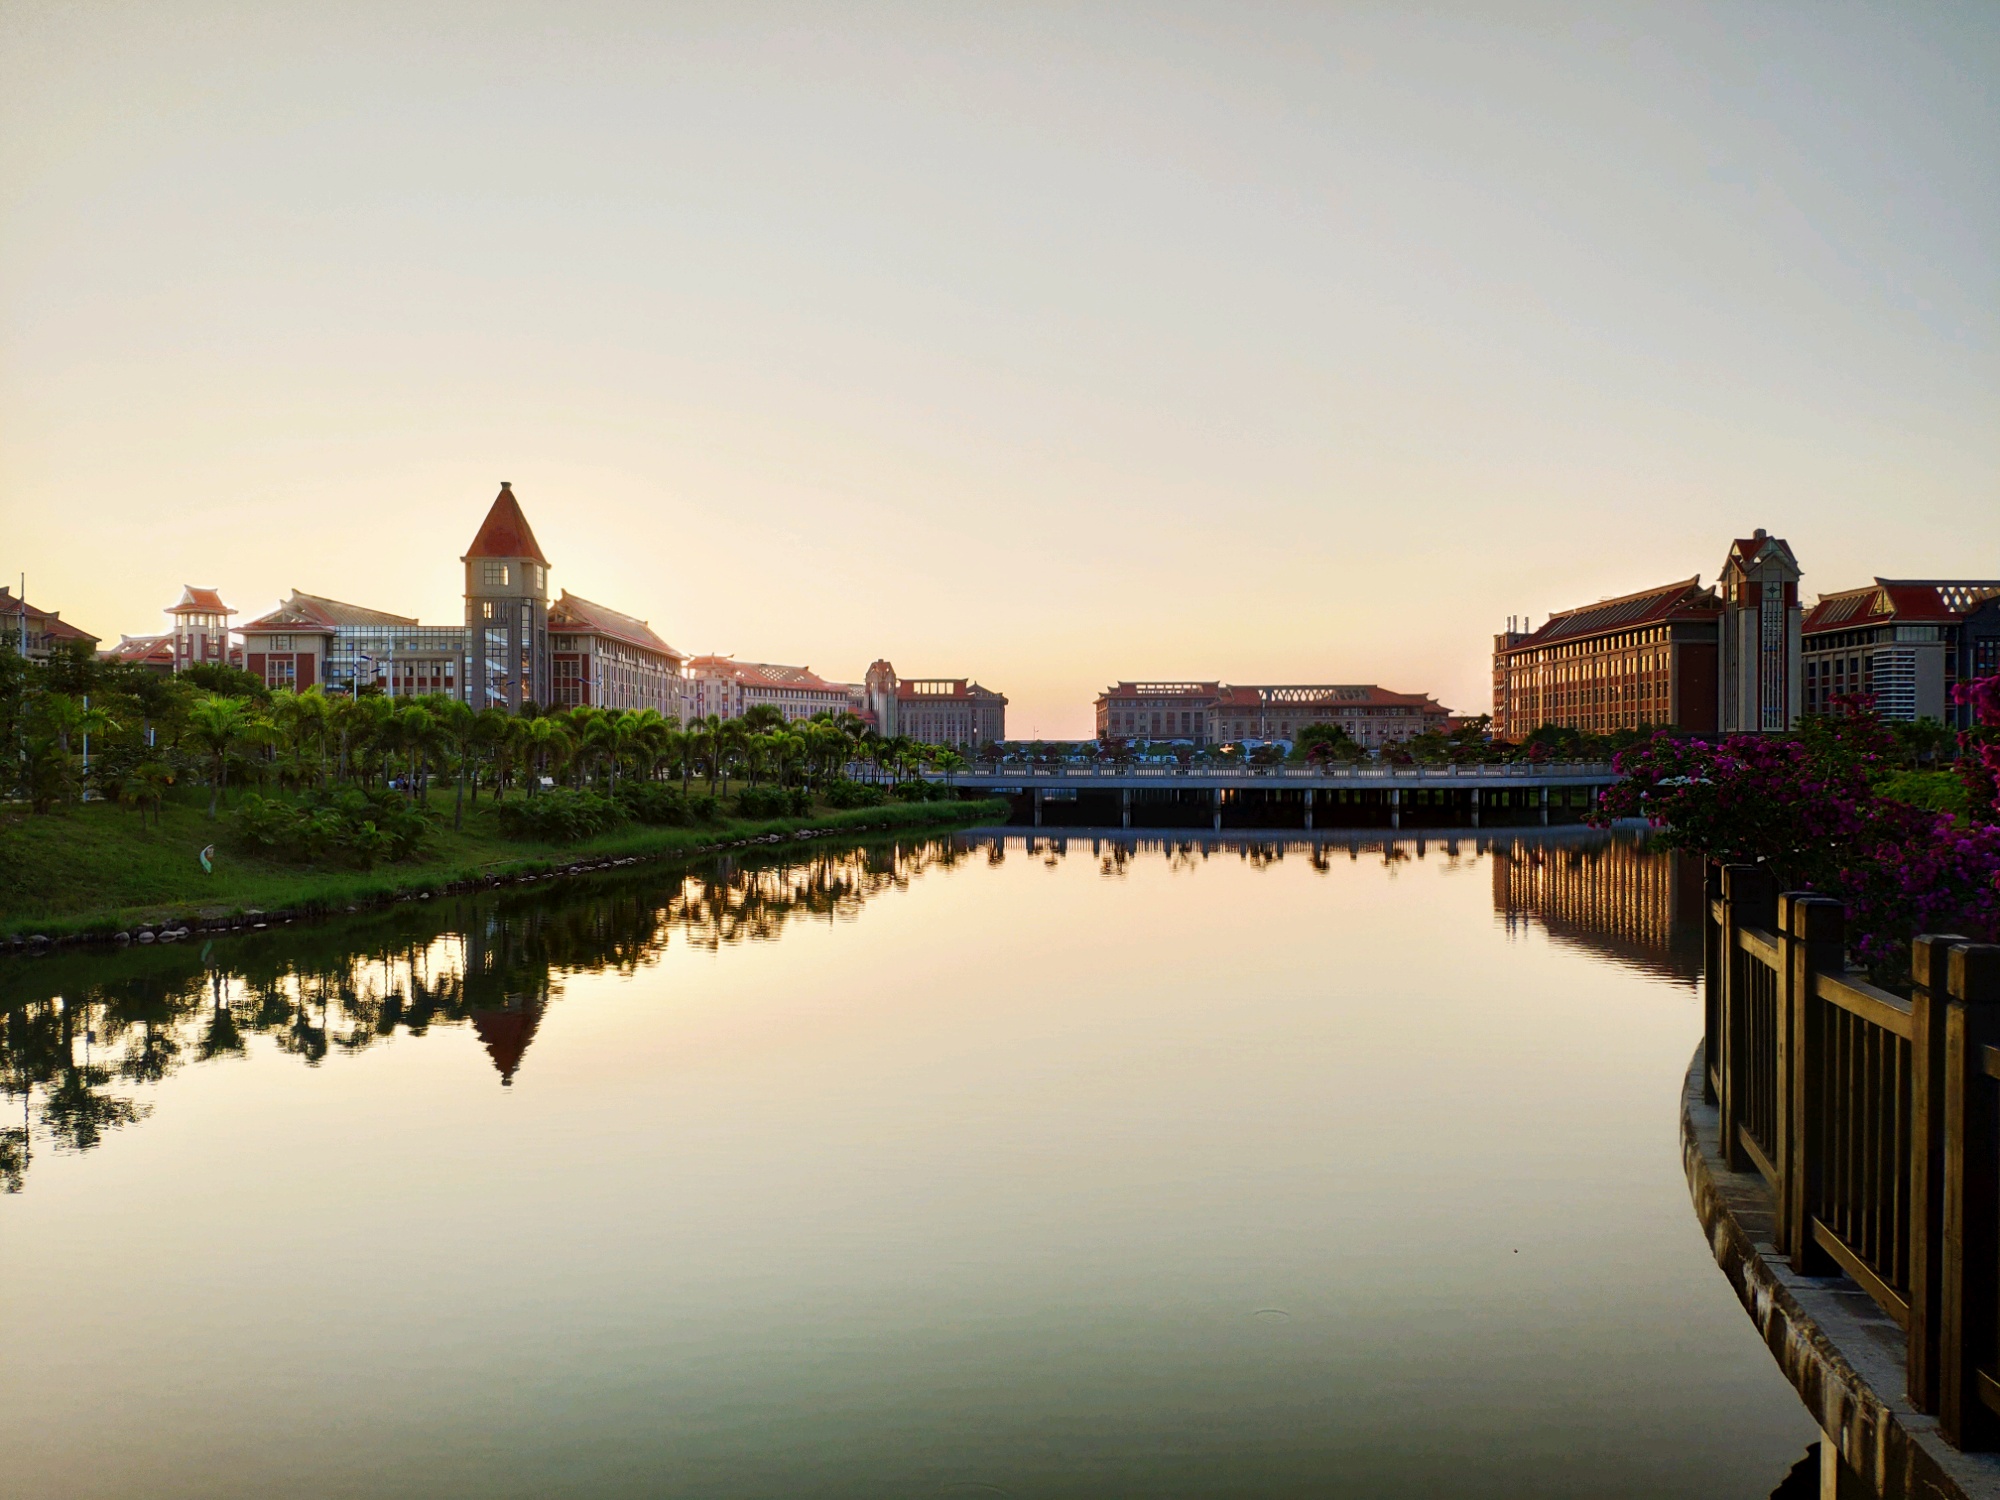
pixel 1808 806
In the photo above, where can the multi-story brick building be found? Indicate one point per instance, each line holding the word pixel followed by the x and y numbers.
pixel 934 710
pixel 347 648
pixel 1641 659
pixel 1205 712
pixel 35 633
pixel 605 659
pixel 1904 642
pixel 1164 710
pixel 724 688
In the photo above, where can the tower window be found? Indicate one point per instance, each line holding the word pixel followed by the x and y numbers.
pixel 494 575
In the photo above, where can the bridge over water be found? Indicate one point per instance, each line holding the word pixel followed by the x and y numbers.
pixel 1372 796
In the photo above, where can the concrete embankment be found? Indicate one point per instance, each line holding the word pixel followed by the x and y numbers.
pixel 1843 1354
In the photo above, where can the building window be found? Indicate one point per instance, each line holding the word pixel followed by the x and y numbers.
pixel 493 575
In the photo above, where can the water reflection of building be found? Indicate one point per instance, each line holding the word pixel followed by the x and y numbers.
pixel 79 1032
pixel 1612 895
pixel 506 1032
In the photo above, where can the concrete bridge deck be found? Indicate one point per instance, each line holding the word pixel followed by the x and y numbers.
pixel 1290 778
pixel 1292 796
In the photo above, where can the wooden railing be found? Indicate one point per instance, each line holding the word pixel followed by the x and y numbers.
pixel 1875 1119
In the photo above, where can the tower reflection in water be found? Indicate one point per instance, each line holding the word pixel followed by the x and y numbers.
pixel 85 1036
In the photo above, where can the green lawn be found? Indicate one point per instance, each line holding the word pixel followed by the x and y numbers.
pixel 1935 791
pixel 96 868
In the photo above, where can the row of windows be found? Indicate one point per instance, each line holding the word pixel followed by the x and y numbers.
pixel 500 575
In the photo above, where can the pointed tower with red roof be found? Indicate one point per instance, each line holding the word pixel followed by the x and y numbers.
pixel 506 610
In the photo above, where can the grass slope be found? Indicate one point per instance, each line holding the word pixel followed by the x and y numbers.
pixel 94 868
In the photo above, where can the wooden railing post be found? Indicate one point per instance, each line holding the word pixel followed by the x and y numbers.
pixel 1746 897
pixel 1969 1253
pixel 1815 943
pixel 1929 961
pixel 1711 982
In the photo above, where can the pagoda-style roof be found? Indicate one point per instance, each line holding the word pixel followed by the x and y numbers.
pixel 147 650
pixel 1684 600
pixel 571 615
pixel 1912 601
pixel 196 601
pixel 505 531
pixel 45 621
pixel 310 613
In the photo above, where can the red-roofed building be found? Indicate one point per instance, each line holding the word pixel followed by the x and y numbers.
pixel 724 688
pixel 1219 713
pixel 933 710
pixel 347 648
pixel 1641 659
pixel 200 629
pixel 605 659
pixel 1904 642
pixel 155 652
pixel 34 633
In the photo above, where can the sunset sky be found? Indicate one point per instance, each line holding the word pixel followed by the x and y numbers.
pixel 1046 345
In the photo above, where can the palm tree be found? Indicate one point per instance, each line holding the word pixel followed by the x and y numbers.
pixel 146 786
pixel 732 738
pixel 458 726
pixel 67 717
pixel 548 747
pixel 217 725
pixel 600 741
pixel 412 731
pixel 651 736
pixel 491 736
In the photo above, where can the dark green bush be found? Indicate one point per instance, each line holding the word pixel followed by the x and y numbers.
pixel 656 804
pixel 926 791
pixel 560 816
pixel 349 826
pixel 844 794
pixel 773 802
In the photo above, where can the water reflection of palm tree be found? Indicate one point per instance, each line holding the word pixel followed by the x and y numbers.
pixel 363 981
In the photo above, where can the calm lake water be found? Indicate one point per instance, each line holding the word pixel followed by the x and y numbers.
pixel 984 1165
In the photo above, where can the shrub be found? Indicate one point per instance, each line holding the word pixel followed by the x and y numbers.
pixel 773 802
pixel 705 807
pixel 352 826
pixel 925 791
pixel 656 804
pixel 845 794
pixel 560 816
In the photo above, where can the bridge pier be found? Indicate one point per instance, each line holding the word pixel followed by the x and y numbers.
pixel 1125 805
pixel 1395 807
pixel 1475 807
pixel 1309 807
pixel 1545 807
pixel 1215 797
pixel 1038 808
